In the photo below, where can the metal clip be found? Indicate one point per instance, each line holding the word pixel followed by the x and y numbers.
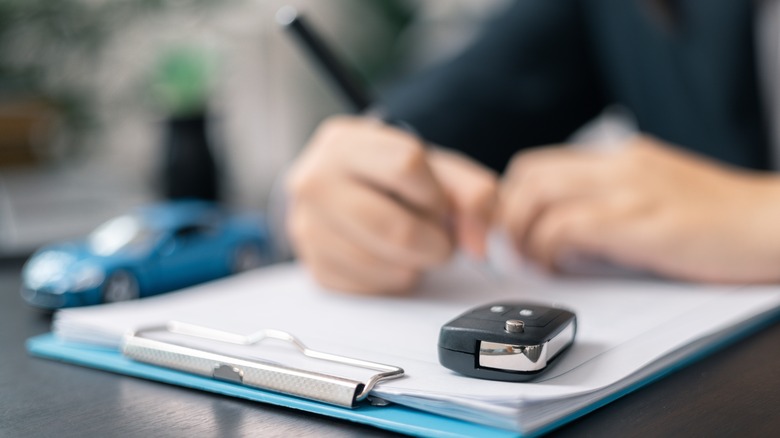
pixel 259 374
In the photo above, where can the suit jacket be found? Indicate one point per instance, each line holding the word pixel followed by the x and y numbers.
pixel 544 67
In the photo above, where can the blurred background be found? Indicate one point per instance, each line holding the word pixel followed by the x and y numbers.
pixel 93 93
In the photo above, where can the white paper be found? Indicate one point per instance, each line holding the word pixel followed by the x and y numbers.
pixel 627 329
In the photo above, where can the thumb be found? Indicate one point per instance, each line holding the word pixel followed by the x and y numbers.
pixel 472 191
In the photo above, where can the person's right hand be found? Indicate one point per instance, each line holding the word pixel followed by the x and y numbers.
pixel 371 208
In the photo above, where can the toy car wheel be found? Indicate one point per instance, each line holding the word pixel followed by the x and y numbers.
pixel 247 257
pixel 120 286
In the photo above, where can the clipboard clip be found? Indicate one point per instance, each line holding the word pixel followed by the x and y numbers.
pixel 336 390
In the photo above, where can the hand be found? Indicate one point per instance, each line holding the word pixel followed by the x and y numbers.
pixel 646 206
pixel 372 208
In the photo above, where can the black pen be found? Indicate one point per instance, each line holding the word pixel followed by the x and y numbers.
pixel 345 81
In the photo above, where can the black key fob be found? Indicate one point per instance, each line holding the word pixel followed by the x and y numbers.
pixel 511 341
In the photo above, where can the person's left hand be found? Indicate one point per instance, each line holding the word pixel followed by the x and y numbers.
pixel 646 206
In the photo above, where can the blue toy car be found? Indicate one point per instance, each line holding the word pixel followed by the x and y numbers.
pixel 153 250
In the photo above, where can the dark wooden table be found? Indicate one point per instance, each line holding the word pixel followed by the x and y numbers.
pixel 733 392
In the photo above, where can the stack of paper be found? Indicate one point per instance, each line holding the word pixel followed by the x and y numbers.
pixel 629 331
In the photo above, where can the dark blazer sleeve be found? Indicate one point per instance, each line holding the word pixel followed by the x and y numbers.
pixel 529 79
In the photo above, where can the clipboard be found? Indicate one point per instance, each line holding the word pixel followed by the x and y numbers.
pixel 421 416
pixel 392 417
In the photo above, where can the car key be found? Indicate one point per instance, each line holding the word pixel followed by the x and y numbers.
pixel 510 341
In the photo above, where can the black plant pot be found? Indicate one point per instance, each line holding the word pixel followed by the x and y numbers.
pixel 189 170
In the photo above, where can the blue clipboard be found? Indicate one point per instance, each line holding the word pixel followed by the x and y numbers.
pixel 394 417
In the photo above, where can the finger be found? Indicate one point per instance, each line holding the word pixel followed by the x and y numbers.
pixel 538 184
pixel 580 226
pixel 338 264
pixel 557 157
pixel 382 225
pixel 472 190
pixel 471 235
pixel 613 228
pixel 388 158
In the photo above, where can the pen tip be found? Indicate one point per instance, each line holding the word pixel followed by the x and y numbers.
pixel 286 15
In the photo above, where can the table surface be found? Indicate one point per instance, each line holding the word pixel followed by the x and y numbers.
pixel 735 391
